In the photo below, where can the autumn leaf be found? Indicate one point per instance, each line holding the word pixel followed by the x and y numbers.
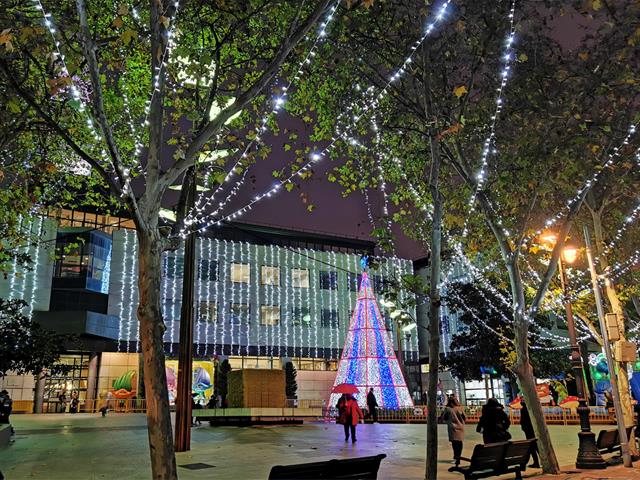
pixel 454 129
pixel 123 10
pixel 289 186
pixel 367 3
pixel 311 207
pixel 460 91
pixel 128 36
pixel 118 22
pixel 523 57
pixel 583 55
pixel 164 21
pixel 6 38
pixel 596 4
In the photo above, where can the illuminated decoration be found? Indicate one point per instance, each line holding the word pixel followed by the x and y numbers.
pixel 600 374
pixel 125 386
pixel 368 359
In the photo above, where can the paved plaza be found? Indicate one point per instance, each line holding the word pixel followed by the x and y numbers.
pixel 84 446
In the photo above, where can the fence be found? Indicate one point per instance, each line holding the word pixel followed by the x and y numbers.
pixel 417 414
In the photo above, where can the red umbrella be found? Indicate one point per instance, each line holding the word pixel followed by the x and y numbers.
pixel 345 388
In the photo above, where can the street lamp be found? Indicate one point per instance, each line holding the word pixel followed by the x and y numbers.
pixel 588 454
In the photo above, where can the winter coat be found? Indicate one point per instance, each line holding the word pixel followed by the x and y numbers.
pixel 353 411
pixel 341 406
pixel 371 401
pixel 494 424
pixel 455 418
pixel 525 423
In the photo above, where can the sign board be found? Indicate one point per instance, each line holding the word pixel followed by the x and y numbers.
pixel 613 329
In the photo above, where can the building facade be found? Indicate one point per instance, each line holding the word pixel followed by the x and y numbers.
pixel 263 297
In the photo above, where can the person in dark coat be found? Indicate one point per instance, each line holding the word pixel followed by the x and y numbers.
pixel 527 428
pixel 341 408
pixel 494 423
pixel 372 405
pixel 6 407
pixel 455 418
pixel 353 414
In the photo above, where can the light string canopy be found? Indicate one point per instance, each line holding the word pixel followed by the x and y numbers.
pixel 278 104
pixel 488 147
pixel 595 177
pixel 317 156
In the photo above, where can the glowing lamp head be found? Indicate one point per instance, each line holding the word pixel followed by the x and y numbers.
pixel 569 254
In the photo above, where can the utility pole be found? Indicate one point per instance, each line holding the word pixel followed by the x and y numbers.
pixel 624 441
pixel 185 355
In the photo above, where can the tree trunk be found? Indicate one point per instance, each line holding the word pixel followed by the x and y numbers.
pixel 616 307
pixel 163 461
pixel 524 371
pixel 434 315
pixel 38 392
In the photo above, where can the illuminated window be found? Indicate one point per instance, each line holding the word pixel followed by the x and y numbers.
pixel 270 275
pixel 240 272
pixel 269 315
pixel 299 278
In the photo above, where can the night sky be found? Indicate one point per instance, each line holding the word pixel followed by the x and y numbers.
pixel 334 214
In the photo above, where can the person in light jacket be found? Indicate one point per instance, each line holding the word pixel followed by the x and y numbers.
pixel 455 418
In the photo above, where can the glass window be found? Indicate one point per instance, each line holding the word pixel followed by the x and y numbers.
pixel 240 272
pixel 208 270
pixel 354 281
pixel 269 315
pixel 239 313
pixel 301 316
pixel 270 275
pixel 329 318
pixel 207 312
pixel 379 283
pixel 299 278
pixel 175 267
pixel 328 280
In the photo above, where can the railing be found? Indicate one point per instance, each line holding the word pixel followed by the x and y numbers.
pixel 552 415
pixel 417 414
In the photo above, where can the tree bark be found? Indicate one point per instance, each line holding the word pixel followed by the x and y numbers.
pixel 524 371
pixel 163 462
pixel 616 307
pixel 434 314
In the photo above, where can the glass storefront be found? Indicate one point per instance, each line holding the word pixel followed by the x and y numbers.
pixel 59 390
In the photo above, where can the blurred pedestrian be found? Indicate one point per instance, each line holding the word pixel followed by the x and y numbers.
pixel 494 423
pixel 527 428
pixel 455 418
pixel 6 407
pixel 372 405
pixel 353 415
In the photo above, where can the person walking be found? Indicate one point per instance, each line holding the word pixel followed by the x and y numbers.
pixel 494 423
pixel 455 418
pixel 353 414
pixel 372 405
pixel 527 428
pixel 6 407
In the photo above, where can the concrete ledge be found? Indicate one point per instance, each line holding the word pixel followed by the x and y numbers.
pixel 257 412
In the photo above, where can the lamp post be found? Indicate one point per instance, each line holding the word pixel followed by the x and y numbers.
pixel 588 454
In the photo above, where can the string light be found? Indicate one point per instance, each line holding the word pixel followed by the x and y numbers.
pixel 488 147
pixel 278 104
pixel 317 156
pixel 610 159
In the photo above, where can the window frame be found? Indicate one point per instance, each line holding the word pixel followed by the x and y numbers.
pixel 262 275
pixel 262 310
pixel 308 277
pixel 231 272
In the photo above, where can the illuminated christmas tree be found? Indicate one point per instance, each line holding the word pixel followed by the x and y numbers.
pixel 368 359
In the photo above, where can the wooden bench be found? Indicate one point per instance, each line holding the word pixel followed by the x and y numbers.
pixel 498 459
pixel 609 440
pixel 365 468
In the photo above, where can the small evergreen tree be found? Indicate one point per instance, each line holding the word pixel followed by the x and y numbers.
pixel 291 386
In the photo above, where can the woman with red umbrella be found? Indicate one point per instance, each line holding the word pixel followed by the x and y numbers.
pixel 349 413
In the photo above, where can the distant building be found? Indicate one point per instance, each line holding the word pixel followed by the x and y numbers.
pixel 264 297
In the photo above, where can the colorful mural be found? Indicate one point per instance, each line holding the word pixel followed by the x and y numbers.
pixel 201 383
pixel 126 385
